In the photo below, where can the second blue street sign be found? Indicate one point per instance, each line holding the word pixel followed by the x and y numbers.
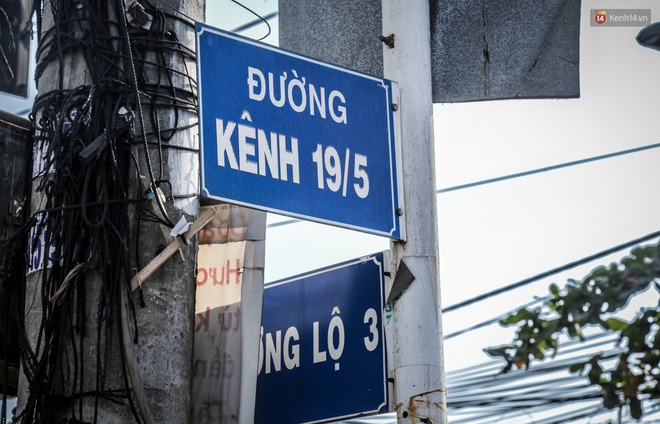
pixel 323 350
pixel 295 136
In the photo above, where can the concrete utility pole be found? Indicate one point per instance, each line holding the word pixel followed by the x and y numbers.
pixel 417 346
pixel 151 379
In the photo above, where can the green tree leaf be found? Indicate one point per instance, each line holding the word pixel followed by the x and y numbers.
pixel 593 301
pixel 616 324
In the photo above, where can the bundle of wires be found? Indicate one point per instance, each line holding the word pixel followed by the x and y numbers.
pixel 97 143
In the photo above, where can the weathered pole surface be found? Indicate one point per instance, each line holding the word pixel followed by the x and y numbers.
pixel 417 346
pixel 115 167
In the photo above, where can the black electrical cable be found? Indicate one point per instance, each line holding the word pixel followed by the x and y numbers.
pixel 518 175
pixel 548 168
pixel 551 272
pixel 533 392
pixel 482 391
pixel 256 22
pixel 87 144
pixel 262 19
pixel 492 320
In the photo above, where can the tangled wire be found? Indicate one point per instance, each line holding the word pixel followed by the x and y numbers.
pixel 100 152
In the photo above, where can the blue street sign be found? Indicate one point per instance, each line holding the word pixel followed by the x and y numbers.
pixel 323 353
pixel 295 136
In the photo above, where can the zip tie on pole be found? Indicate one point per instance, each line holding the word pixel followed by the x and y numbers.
pixel 163 256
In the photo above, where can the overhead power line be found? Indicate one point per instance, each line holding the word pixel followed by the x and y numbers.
pixel 551 272
pixel 255 22
pixel 546 392
pixel 493 320
pixel 547 168
pixel 496 179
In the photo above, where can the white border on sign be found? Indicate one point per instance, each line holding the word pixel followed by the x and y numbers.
pixel 361 260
